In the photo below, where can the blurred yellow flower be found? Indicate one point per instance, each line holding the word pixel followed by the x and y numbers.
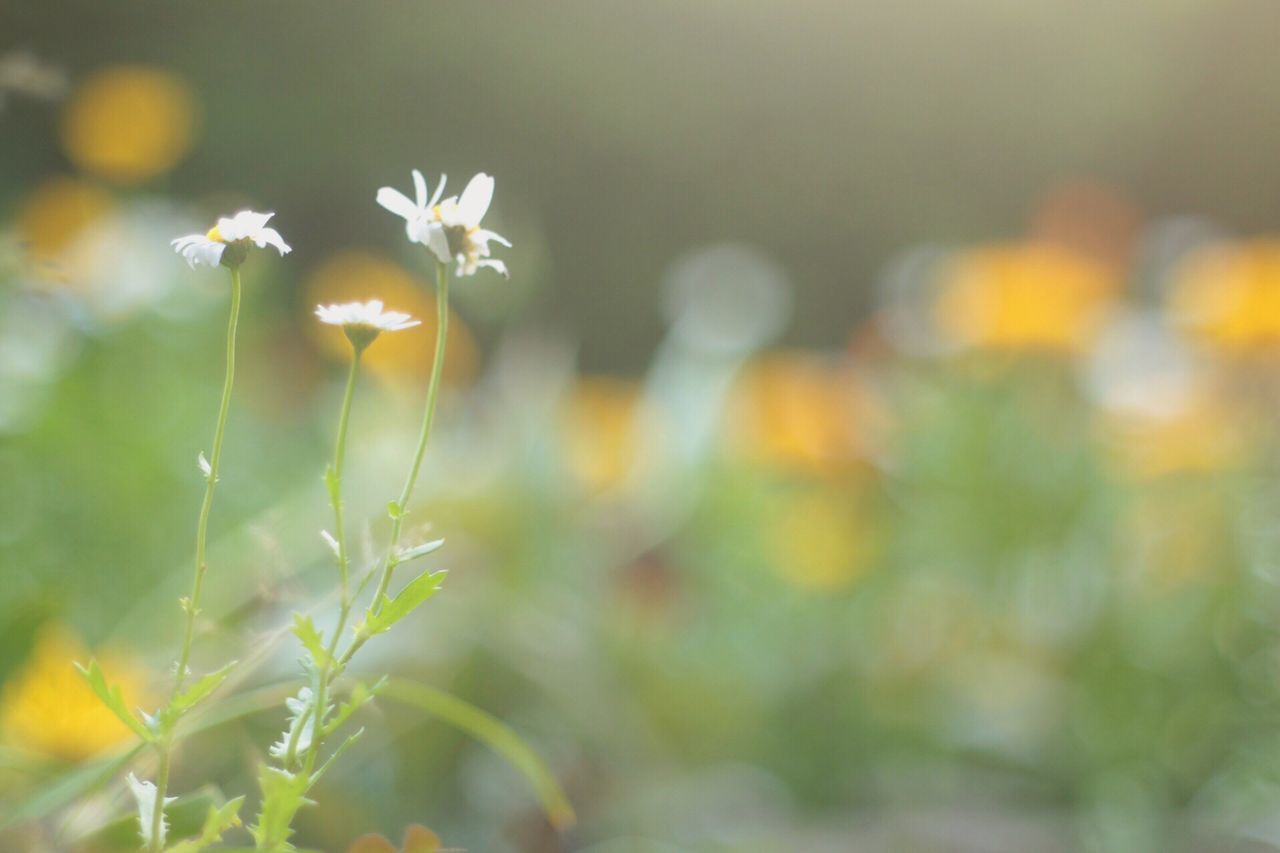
pixel 1229 295
pixel 53 217
pixel 47 708
pixel 1206 435
pixel 602 418
pixel 129 123
pixel 353 276
pixel 1030 296
pixel 800 411
pixel 821 539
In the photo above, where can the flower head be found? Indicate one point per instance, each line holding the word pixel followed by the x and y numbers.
pixel 450 228
pixel 364 321
pixel 228 242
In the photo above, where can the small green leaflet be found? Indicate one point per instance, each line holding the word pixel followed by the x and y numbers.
pixel 392 610
pixel 218 821
pixel 360 696
pixel 283 794
pixel 112 698
pixel 197 692
pixel 311 638
pixel 393 510
pixel 418 551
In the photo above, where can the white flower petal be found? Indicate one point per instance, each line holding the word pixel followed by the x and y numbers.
pixel 496 265
pixel 420 188
pixel 396 202
pixel 271 237
pixel 438 243
pixel 439 190
pixel 474 203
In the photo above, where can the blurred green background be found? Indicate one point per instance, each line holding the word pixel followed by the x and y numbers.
pixel 873 449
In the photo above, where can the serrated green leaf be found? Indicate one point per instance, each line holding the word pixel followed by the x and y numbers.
pixel 311 638
pixel 113 698
pixel 196 692
pixel 346 744
pixel 357 699
pixel 392 610
pixel 283 794
pixel 216 822
pixel 418 551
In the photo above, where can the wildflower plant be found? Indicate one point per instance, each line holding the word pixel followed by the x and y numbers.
pixel 318 709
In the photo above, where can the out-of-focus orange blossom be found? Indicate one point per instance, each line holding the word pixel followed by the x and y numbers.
pixel 1229 295
pixel 417 839
pixel 128 123
pixel 53 217
pixel 48 708
pixel 822 539
pixel 802 412
pixel 1029 296
pixel 358 276
pixel 601 422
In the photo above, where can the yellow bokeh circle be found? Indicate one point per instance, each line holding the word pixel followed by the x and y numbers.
pixel 129 123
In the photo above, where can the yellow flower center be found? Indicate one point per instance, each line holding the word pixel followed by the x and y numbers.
pixel 215 235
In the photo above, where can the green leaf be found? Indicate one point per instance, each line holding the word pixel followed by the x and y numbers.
pixel 216 822
pixel 113 698
pixel 418 551
pixel 194 694
pixel 312 640
pixel 283 794
pixel 392 610
pixel 346 744
pixel 493 732
pixel 394 510
pixel 359 697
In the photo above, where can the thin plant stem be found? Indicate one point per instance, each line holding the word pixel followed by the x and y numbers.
pixel 192 605
pixel 344 562
pixel 428 418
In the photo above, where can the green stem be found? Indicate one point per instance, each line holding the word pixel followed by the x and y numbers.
pixel 428 417
pixel 192 604
pixel 344 563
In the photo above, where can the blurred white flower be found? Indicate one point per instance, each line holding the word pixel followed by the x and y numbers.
pixel 234 232
pixel 450 228
pixel 365 314
pixel 364 321
pixel 461 237
pixel 418 214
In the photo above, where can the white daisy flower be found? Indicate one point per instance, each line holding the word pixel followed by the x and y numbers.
pixel 364 321
pixel 228 242
pixel 463 238
pixel 450 228
pixel 418 215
